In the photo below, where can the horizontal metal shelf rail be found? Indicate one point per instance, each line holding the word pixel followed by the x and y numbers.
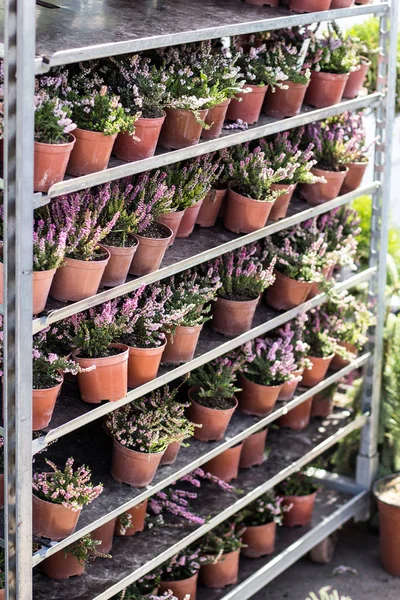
pixel 44 321
pixel 266 126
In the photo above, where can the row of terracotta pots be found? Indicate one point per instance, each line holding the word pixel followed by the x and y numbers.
pixel 306 6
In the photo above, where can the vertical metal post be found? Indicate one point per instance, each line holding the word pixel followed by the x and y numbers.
pixel 368 460
pixel 19 38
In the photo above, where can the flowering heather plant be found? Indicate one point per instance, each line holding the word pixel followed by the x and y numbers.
pixel 93 331
pixel 321 339
pixel 269 361
pixel 79 214
pixel 56 339
pixel 355 136
pixel 175 421
pixel 329 147
pixel 294 330
pixel 142 317
pixel 225 538
pixel 287 58
pixel 298 484
pixel 183 565
pixel 176 502
pixel 53 122
pixel 71 488
pixel 256 69
pixel 85 550
pixel 48 369
pixel 242 274
pixel 142 588
pixel 349 318
pixel 49 246
pixel 330 53
pixel 340 228
pixel 215 382
pixel 266 509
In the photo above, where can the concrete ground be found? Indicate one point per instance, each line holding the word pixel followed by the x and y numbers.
pixel 358 548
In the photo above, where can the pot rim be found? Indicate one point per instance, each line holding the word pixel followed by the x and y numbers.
pixel 206 408
pixel 321 357
pixel 148 121
pixel 163 239
pixel 202 111
pixel 87 133
pixel 84 263
pixel 50 388
pixel 166 581
pixel 328 75
pixel 241 302
pixel 308 283
pixel 274 387
pixel 57 504
pixel 248 199
pixel 383 480
pixel 121 248
pixel 149 350
pixel 62 145
pixel 42 274
pixel 75 352
pixel 335 173
pixel 301 498
pixel 143 455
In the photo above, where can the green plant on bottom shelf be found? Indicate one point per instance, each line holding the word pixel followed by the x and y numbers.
pixel 298 484
pixel 225 538
pixel 85 550
pixel 143 587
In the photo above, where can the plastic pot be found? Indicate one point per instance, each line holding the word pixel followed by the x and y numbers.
pixel 289 387
pixel 225 466
pixel 171 453
pixel 143 364
pixel 91 152
pixel 256 399
pixel 147 132
pixel 253 450
pixel 181 587
pixel 180 129
pixel 215 119
pixel 387 493
pixel 243 214
pixel 301 511
pixel 134 468
pixel 224 572
pixel 53 521
pixel 117 268
pixel 41 283
pixel 286 293
pixel 214 421
pixel 325 89
pixel 297 418
pixel 138 517
pixel 263 2
pixel 78 279
pixel 285 102
pixel 150 252
pixel 281 204
pixel 181 345
pixel 62 565
pixel 303 6
pixel 172 220
pixel 338 362
pixel 319 193
pixel 43 403
pixel 210 208
pixel 50 163
pixel 108 381
pixel 317 372
pixel 260 540
pixel 322 405
pixel 233 317
pixel 188 220
pixel 105 535
pixel 354 176
pixel 247 106
pixel 341 3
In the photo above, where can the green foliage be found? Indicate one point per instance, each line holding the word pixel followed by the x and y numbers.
pixel 223 539
pixel 390 407
pixel 298 484
pixel 85 550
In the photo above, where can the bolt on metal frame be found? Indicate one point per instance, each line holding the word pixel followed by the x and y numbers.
pixel 20 65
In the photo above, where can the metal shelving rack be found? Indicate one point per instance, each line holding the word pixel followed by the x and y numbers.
pixel 78 31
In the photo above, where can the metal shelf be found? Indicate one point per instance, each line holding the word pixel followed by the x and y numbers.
pixel 210 346
pixel 142 553
pixel 265 126
pixel 203 244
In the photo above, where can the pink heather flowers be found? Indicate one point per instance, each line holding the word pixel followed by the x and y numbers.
pixel 269 361
pixel 71 488
pixel 94 330
pixel 49 246
pixel 53 122
pixel 183 565
pixel 266 509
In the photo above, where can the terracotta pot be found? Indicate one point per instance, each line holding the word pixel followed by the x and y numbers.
pixel 91 152
pixel 214 421
pixel 181 129
pixel 247 106
pixel 171 453
pixel 298 418
pixel 138 517
pixel 281 204
pixel 50 163
pixel 108 381
pixel 364 1
pixel 263 2
pixel 325 89
pixel 260 540
pixel 303 6
pixel 62 565
pixel 78 279
pixel 301 511
pixel 41 283
pixel 256 399
pixel 225 466
pixel 341 3
pixel 134 468
pixel 53 521
pixel 150 252
pixel 389 522
pixel 172 220
pixel 233 317
pixel 289 387
pixel 322 406
pixel 210 208
pixel 181 345
pixel 319 193
pixel 286 293
pixel 117 268
pixel 243 214
pixel 224 572
pixel 3 591
pixel 143 364
pixel 1 490
pixel 338 362
pixel 105 535
pixel 181 587
pixel 285 102
pixel 253 450
pixel 43 403
pixel 188 220
pixel 215 118
pixel 147 132
pixel 354 176
pixel 317 372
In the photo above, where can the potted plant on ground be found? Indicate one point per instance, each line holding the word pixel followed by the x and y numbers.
pixel 71 561
pixel 143 588
pixel 298 492
pixel 221 549
pixel 53 140
pixel 212 395
pixel 58 498
pixel 243 279
pixel 387 493
pixel 294 330
pixel 180 573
